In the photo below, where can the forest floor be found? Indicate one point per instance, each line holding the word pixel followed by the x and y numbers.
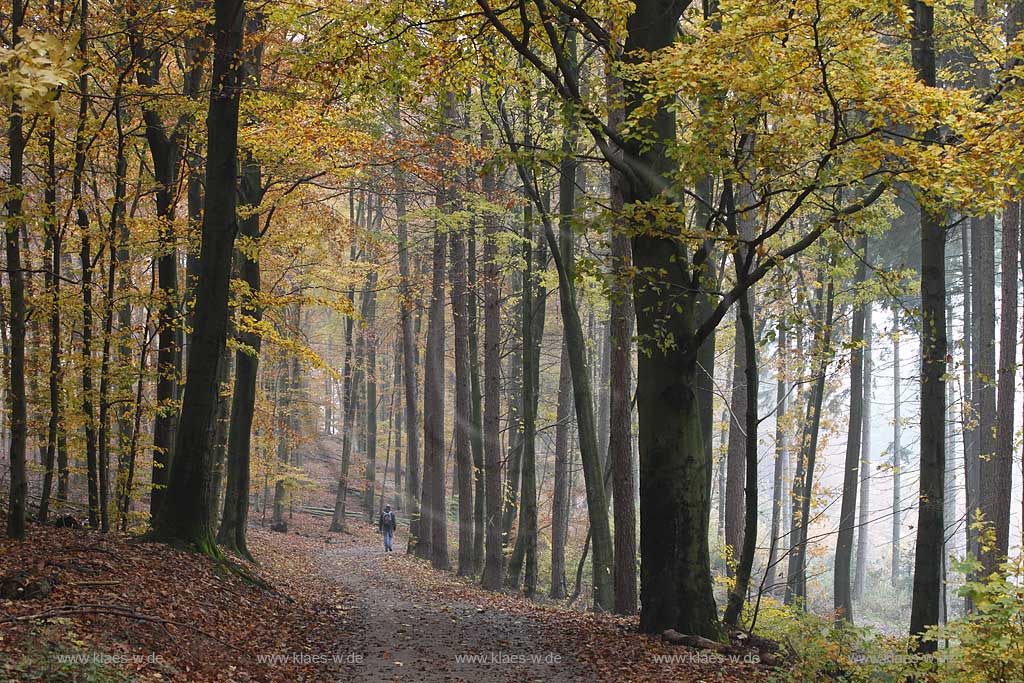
pixel 340 610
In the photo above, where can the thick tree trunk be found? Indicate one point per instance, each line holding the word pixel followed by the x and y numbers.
pixel 676 582
pixel 234 519
pixel 843 597
pixel 186 516
pixel 927 590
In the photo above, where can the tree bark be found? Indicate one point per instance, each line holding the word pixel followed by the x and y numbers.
pixel 370 344
pixel 803 481
pixel 864 514
pixel 433 532
pixel 116 220
pixel 463 402
pixel 494 567
pixel 560 494
pixel 781 455
pixel 843 593
pixel 476 397
pixel 15 278
pixel 235 516
pixel 676 582
pixel 52 279
pixel 85 254
pixel 164 151
pixel 927 588
pixel 620 441
pixel 186 517
pixel 897 453
pixel 736 451
pixel 409 356
pixel 350 386
pixel 1000 468
pixel 525 550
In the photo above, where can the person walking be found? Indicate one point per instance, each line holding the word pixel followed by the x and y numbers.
pixel 387 525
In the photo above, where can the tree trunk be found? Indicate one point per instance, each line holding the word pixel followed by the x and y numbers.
pixel 843 597
pixel 409 355
pixel 370 344
pixel 864 515
pixel 676 582
pixel 18 418
pixel 971 465
pixel 476 397
pixel 234 520
pixel 560 494
pixel 350 386
pixel 116 219
pixel 803 481
pixel 433 532
pixel 494 568
pixel 736 452
pixel 1000 469
pixel 775 574
pixel 54 239
pixel 463 402
pixel 620 409
pixel 897 452
pixel 514 419
pixel 396 417
pixel 927 591
pixel 525 551
pixel 82 221
pixel 741 225
pixel 187 516
pixel 164 151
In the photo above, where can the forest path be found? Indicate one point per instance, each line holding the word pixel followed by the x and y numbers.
pixel 401 631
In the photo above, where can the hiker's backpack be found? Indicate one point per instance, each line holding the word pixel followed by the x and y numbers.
pixel 387 519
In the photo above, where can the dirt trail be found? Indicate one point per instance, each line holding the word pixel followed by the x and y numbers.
pixel 397 633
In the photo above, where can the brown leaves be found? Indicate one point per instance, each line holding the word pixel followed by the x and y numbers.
pixel 169 614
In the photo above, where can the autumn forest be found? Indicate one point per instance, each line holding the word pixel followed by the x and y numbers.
pixel 568 340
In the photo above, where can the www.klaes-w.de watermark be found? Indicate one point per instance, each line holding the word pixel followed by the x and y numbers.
pixel 503 658
pixel 108 659
pixel 310 658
